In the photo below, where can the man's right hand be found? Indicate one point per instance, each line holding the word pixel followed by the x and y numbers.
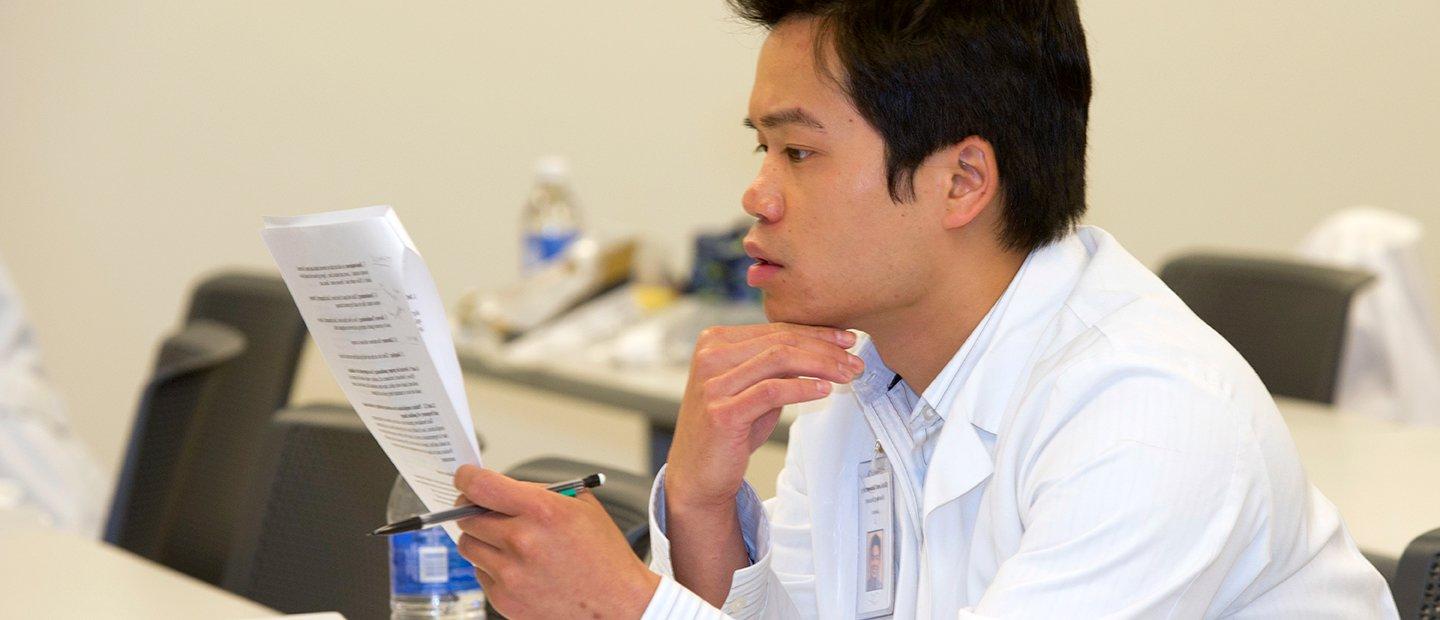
pixel 740 378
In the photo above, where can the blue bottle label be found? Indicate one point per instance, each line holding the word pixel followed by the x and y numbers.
pixel 541 248
pixel 427 562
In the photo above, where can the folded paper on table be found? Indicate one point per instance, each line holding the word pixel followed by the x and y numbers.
pixel 375 314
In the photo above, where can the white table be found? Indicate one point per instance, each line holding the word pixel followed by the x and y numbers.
pixel 46 573
pixel 1380 475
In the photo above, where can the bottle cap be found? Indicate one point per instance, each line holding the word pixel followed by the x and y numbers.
pixel 552 168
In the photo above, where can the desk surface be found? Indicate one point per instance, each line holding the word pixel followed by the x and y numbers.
pixel 1379 474
pixel 1371 470
pixel 653 392
pixel 52 574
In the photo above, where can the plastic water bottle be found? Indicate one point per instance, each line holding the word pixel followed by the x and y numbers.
pixel 428 578
pixel 551 221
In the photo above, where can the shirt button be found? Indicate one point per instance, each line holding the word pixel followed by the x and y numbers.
pixel 930 414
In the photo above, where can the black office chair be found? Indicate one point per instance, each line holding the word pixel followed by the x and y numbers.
pixel 161 448
pixel 1416 585
pixel 1286 318
pixel 233 417
pixel 320 485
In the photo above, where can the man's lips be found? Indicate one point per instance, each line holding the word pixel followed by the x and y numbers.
pixel 764 269
pixel 761 258
pixel 761 272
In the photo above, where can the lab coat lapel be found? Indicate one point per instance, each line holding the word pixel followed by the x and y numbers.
pixel 841 446
pixel 974 415
pixel 959 464
pixel 958 468
pixel 961 461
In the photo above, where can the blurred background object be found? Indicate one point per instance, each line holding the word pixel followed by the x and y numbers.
pixel 45 468
pixel 1391 365
pixel 551 221
pixel 1286 317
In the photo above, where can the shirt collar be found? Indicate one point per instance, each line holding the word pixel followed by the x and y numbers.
pixel 1000 345
pixel 940 394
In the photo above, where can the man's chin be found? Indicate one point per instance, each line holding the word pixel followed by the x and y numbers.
pixel 781 310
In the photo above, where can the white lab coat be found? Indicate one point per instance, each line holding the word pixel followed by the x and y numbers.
pixel 1108 456
pixel 1390 367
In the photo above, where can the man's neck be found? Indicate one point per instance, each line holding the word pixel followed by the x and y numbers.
pixel 917 341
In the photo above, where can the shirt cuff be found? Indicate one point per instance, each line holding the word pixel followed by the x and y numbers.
pixel 747 585
pixel 673 602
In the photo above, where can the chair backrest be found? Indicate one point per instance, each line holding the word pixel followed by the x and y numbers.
pixel 1416 585
pixel 234 414
pixel 1285 317
pixel 161 446
pixel 625 495
pixel 320 486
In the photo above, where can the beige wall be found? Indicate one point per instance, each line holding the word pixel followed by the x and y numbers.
pixel 141 141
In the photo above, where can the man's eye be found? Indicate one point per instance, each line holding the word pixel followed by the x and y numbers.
pixel 797 155
pixel 793 154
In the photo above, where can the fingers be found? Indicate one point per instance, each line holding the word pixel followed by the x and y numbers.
pixel 586 496
pixel 593 502
pixel 781 362
pixel 759 399
pixel 738 333
pixel 712 359
pixel 484 556
pixel 498 537
pixel 493 528
pixel 499 492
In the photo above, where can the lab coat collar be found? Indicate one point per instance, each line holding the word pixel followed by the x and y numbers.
pixel 961 460
pixel 979 381
pixel 940 394
pixel 1035 296
pixel 1000 344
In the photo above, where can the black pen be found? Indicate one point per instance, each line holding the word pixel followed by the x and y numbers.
pixel 417 522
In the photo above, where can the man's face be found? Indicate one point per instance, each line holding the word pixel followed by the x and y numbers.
pixel 840 252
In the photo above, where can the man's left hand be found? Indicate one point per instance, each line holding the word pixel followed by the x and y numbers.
pixel 541 554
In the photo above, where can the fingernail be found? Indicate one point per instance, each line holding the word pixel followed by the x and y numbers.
pixel 822 387
pixel 845 338
pixel 856 364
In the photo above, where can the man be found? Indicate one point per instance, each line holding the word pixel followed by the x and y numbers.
pixel 1040 427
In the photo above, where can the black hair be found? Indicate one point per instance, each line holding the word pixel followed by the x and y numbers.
pixel 926 74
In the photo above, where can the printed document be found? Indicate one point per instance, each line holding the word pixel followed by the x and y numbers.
pixel 374 312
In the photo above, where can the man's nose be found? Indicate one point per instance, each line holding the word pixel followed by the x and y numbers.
pixel 763 200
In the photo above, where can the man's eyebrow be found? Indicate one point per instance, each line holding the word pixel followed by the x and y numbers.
pixel 788 116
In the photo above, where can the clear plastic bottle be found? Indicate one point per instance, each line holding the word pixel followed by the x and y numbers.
pixel 551 221
pixel 428 578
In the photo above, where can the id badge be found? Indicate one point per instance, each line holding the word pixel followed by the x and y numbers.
pixel 875 590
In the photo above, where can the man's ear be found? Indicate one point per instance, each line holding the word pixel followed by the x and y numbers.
pixel 973 180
